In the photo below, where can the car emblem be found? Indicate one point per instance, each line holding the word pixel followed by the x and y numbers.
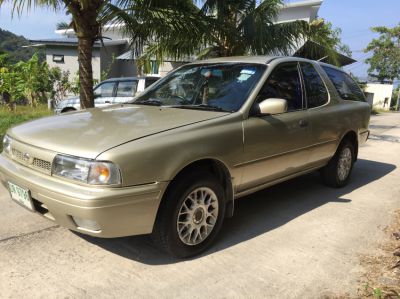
pixel 27 156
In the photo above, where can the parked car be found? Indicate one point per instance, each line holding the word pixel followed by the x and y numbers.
pixel 173 162
pixel 110 91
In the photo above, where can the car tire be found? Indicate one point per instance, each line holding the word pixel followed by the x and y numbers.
pixel 190 216
pixel 66 110
pixel 337 172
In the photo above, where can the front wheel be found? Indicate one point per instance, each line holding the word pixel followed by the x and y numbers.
pixel 337 172
pixel 190 216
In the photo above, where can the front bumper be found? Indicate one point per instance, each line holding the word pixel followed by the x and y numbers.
pixel 117 211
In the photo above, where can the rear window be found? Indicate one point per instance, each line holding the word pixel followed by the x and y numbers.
pixel 347 88
pixel 126 88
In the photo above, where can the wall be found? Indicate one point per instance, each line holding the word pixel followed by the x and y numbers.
pixel 71 60
pixel 114 68
pixel 377 94
pixel 305 10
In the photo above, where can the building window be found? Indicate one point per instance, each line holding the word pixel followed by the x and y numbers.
pixel 154 67
pixel 58 58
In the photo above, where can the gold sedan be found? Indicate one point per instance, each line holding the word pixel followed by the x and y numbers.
pixel 172 162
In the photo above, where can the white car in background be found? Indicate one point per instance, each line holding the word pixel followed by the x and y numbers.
pixel 110 91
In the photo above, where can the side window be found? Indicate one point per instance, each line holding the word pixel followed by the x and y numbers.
pixel 284 83
pixel 104 90
pixel 149 81
pixel 126 88
pixel 316 92
pixel 345 85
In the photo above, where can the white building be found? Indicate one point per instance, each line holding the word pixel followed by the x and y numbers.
pixel 114 57
pixel 379 95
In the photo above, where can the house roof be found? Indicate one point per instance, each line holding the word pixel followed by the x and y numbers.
pixel 315 51
pixel 303 3
pixel 73 42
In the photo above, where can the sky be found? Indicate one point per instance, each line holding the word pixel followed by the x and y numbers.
pixel 354 17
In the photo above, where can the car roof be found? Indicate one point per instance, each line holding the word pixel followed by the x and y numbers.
pixel 240 59
pixel 130 78
pixel 266 59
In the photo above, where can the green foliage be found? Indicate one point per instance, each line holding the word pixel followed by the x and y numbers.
pixel 218 28
pixel 22 113
pixel 62 25
pixel 223 28
pixel 75 85
pixel 385 60
pixel 324 34
pixel 13 45
pixel 395 98
pixel 32 81
pixel 26 80
pixel 60 83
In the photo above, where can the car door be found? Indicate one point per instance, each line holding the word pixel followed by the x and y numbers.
pixel 104 94
pixel 276 146
pixel 126 91
pixel 323 115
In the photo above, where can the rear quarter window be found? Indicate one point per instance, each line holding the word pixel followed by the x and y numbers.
pixel 316 93
pixel 347 88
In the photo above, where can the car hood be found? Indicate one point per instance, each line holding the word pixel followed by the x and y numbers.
pixel 90 132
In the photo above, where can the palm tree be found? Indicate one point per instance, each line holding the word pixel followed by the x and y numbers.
pixel 88 17
pixel 236 27
pixel 229 27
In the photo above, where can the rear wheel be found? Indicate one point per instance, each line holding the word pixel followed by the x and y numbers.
pixel 190 216
pixel 337 172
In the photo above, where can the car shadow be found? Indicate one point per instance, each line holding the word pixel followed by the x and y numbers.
pixel 257 213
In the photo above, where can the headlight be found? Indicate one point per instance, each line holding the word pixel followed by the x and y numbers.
pixel 7 144
pixel 86 171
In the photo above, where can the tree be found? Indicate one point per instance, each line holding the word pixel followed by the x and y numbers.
pixel 227 28
pixel 385 60
pixel 31 81
pixel 234 27
pixel 59 80
pixel 88 17
pixel 323 33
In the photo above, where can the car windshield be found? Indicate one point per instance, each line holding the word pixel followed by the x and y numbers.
pixel 216 87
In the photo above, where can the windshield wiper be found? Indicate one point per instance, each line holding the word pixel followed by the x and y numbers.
pixel 147 102
pixel 201 107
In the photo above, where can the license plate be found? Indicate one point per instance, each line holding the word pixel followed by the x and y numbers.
pixel 20 195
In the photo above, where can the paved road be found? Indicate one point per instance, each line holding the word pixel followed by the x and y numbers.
pixel 297 239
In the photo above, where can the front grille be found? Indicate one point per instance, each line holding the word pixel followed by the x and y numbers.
pixel 45 165
pixel 27 160
pixel 19 156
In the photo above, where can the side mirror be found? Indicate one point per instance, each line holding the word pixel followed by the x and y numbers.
pixel 273 106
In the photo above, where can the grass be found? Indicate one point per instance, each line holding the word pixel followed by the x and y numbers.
pixel 22 114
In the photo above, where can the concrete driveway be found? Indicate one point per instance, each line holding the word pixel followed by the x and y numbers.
pixel 297 239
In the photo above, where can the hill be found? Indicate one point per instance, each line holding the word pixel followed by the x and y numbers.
pixel 13 45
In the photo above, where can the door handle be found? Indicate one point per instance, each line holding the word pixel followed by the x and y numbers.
pixel 303 123
pixel 107 102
